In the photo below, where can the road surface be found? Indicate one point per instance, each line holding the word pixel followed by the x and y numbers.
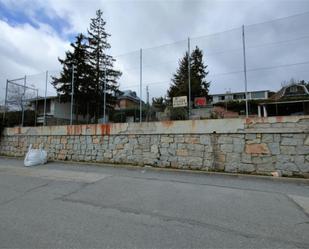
pixel 62 205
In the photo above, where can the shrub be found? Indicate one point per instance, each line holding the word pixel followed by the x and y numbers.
pixel 179 113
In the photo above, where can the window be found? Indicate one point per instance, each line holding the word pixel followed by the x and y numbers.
pixel 293 89
pixel 257 95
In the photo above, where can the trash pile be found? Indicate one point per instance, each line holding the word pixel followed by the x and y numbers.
pixel 35 157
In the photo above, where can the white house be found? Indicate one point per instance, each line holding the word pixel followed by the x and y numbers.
pixel 57 112
pixel 228 96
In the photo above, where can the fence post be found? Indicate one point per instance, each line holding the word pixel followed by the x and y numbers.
pixel 36 107
pixel 5 100
pixel 245 67
pixel 22 102
pixel 45 98
pixel 72 94
pixel 104 94
pixel 189 79
pixel 148 107
pixel 140 89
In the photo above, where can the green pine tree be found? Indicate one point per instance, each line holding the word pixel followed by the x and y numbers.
pixel 101 61
pixel 83 91
pixel 198 73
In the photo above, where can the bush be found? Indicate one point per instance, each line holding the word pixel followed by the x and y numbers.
pixel 1 126
pixel 14 118
pixel 179 113
pixel 120 116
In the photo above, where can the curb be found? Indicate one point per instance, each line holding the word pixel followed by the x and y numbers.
pixel 190 171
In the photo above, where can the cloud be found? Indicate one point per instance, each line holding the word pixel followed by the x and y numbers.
pixel 27 50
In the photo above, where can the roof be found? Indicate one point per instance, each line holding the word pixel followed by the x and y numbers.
pixel 42 98
pixel 280 94
pixel 228 93
pixel 284 102
pixel 129 94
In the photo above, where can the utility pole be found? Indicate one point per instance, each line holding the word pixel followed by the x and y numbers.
pixel 189 79
pixel 140 82
pixel 245 67
pixel 45 97
pixel 72 94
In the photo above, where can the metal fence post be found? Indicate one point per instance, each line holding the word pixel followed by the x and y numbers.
pixel 36 107
pixel 189 78
pixel 245 67
pixel 5 100
pixel 72 95
pixel 45 98
pixel 140 90
pixel 22 102
pixel 104 94
pixel 148 107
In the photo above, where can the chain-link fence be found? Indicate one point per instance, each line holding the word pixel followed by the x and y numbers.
pixel 258 57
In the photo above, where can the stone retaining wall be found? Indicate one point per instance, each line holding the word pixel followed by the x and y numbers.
pixel 261 145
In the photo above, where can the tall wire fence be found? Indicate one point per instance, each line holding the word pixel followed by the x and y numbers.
pixel 275 52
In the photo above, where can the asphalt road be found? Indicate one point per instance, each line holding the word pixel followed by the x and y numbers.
pixel 82 206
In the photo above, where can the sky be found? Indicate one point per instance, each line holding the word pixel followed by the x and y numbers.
pixel 35 33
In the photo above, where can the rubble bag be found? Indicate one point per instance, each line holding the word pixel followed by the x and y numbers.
pixel 35 157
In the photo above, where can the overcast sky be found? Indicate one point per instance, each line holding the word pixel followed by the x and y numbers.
pixel 33 34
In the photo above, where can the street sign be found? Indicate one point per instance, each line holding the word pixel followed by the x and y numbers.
pixel 180 101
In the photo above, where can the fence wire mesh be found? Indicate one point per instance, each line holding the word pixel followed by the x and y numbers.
pixel 273 57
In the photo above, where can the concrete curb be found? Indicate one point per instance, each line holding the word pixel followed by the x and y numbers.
pixel 190 171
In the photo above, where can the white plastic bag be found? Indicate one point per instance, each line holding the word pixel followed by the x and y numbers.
pixel 35 157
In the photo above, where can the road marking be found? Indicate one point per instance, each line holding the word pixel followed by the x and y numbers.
pixel 52 174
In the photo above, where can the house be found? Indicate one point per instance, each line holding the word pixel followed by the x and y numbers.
pixel 57 112
pixel 229 96
pixel 290 100
pixel 127 100
pixel 3 108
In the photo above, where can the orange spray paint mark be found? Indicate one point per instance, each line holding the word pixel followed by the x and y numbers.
pixel 168 123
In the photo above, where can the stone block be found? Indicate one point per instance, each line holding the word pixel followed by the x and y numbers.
pixel 246 168
pixel 246 158
pixel 196 147
pixel 95 140
pixel 254 141
pixel 274 148
pixel 250 136
pixel 307 141
pixel 226 148
pixel 154 148
pixel 263 159
pixel 192 140
pixel 238 147
pixel 179 139
pixel 231 167
pixel 257 149
pixel 287 150
pixel 265 167
pixel 302 150
pixel 224 139
pixel 277 138
pixel 182 152
pixel 167 139
pixel 289 141
pixel 205 139
pixel 287 167
pixel 267 138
